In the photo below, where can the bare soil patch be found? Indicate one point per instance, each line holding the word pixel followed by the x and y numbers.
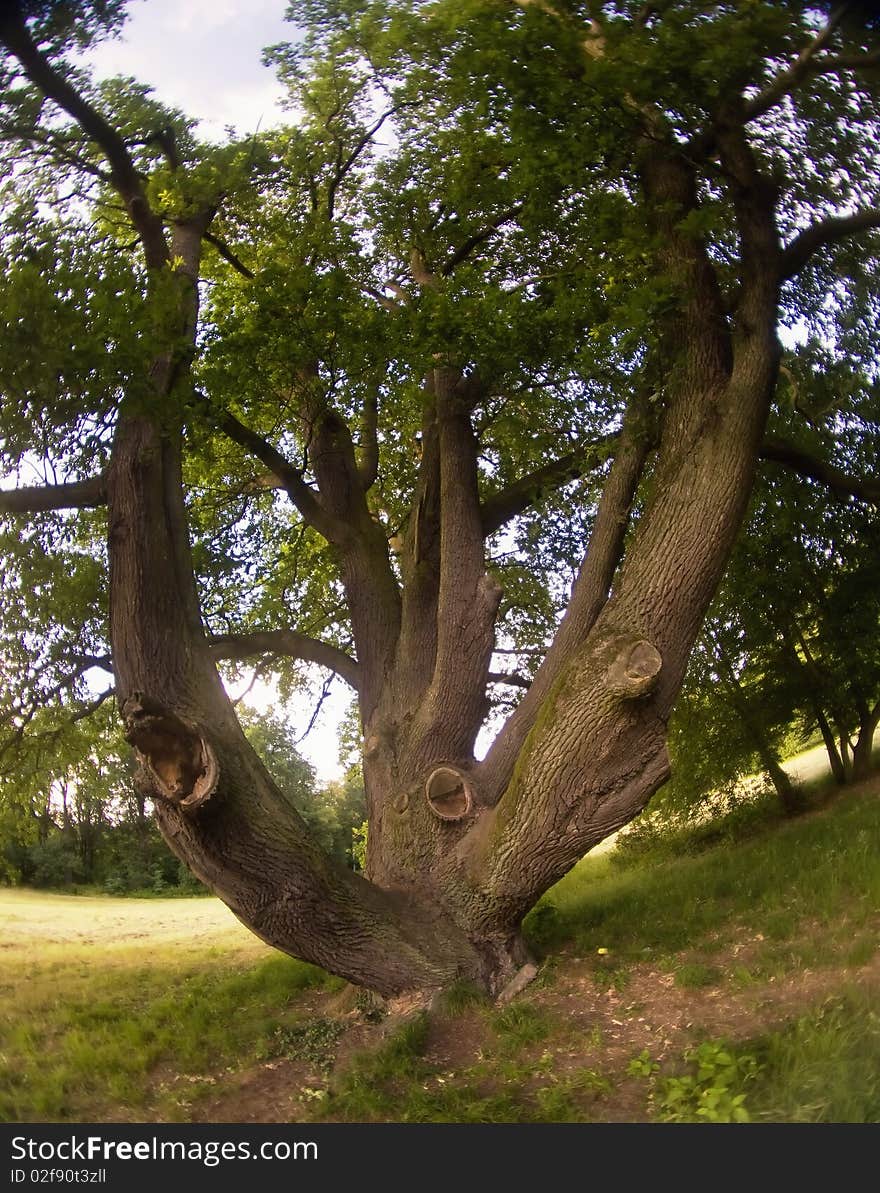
pixel 594 1028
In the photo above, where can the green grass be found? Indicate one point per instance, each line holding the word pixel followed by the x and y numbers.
pixel 89 1030
pixel 822 1068
pixel 694 975
pixel 460 997
pixel 824 869
pixel 396 1083
pixel 521 1024
pixel 115 1010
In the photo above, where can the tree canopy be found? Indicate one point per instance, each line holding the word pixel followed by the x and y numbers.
pixel 456 387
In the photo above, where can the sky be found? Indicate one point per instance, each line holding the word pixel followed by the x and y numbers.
pixel 204 56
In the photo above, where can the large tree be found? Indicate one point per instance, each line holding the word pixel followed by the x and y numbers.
pixel 498 311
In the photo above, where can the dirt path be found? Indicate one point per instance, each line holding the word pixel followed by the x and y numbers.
pixel 598 1029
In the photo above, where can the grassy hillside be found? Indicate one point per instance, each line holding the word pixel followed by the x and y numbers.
pixel 711 982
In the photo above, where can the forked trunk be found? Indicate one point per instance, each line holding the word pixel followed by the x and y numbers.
pixel 456 856
pixel 458 850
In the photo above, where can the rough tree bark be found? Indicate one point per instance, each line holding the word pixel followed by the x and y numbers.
pixel 459 849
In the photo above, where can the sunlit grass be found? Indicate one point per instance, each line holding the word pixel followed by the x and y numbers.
pixel 806 875
pixel 121 1010
pixel 87 1026
pixel 824 1067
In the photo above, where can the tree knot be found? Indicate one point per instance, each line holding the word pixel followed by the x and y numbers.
pixel 177 761
pixel 448 793
pixel 634 669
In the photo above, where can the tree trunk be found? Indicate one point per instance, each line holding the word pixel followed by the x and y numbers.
pixel 846 748
pixel 835 759
pixel 458 850
pixel 862 755
pixel 809 669
pixel 789 796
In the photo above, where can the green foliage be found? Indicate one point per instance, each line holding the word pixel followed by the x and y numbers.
pixel 696 975
pixel 793 637
pixel 721 818
pixel 673 902
pixel 459 998
pixel 714 1093
pixel 520 1024
pixel 359 844
pixel 823 1067
pixel 642 1065
pixel 541 926
pixel 55 863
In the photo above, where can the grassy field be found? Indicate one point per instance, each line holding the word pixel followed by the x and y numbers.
pixel 732 982
pixel 113 1009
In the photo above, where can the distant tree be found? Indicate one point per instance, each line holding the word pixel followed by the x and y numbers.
pixel 331 810
pixel 461 380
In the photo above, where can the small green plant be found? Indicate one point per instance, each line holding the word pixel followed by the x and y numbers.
pixel 642 1065
pixel 521 1023
pixel 460 997
pixel 359 845
pixel 714 1093
pixel 611 977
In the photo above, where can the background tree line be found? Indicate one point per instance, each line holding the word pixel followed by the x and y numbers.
pixel 71 816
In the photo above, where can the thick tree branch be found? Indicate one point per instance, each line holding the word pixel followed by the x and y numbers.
pixel 290 644
pixel 371 587
pixel 809 62
pixel 474 242
pixel 833 62
pixel 36 499
pixel 798 252
pixel 467 597
pixel 698 328
pixel 345 165
pixel 368 453
pixel 334 530
pixel 92 707
pixel 229 256
pixel 501 507
pixel 512 680
pixel 25 713
pixel 420 557
pixel 52 147
pixel 589 594
pixel 793 75
pixel 804 464
pixel 15 36
pixel 88 662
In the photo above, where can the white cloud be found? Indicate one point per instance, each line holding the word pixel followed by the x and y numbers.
pixel 203 56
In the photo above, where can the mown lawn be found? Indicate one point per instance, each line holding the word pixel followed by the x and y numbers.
pixel 117 1009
